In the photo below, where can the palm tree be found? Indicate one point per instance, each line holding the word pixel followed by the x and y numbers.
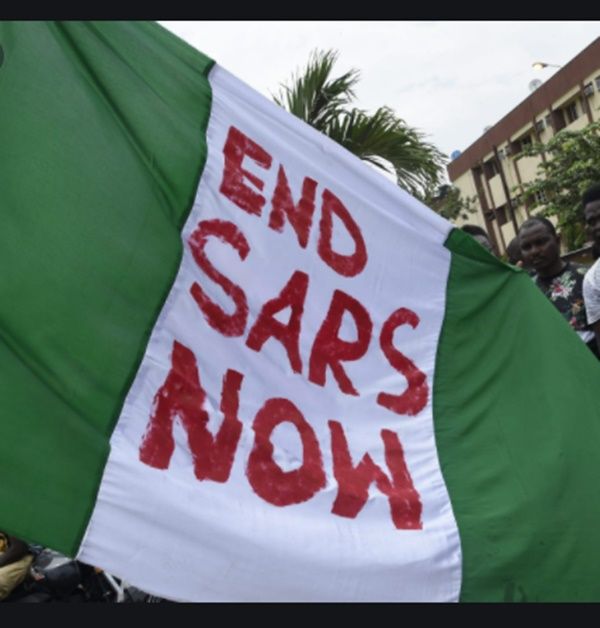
pixel 382 138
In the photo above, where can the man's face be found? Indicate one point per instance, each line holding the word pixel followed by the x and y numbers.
pixel 539 248
pixel 591 213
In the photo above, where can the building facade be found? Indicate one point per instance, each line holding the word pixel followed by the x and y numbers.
pixel 492 169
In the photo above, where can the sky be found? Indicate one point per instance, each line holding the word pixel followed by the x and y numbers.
pixel 449 79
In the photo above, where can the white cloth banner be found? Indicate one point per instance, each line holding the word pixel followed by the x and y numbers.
pixel 277 442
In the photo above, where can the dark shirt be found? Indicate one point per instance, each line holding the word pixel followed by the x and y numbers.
pixel 565 291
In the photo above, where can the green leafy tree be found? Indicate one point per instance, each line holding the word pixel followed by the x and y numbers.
pixel 572 164
pixel 382 138
pixel 448 202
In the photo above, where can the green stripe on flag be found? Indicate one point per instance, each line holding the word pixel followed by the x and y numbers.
pixel 103 143
pixel 517 419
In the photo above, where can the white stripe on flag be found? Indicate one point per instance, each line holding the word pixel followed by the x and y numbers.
pixel 175 535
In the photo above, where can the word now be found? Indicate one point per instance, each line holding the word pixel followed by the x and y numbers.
pixel 182 395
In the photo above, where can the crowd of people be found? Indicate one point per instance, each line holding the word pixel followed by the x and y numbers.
pixel 572 288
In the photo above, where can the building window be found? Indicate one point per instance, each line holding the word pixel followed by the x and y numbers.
pixel 525 142
pixel 490 168
pixel 597 80
pixel 501 213
pixel 519 145
pixel 558 117
pixel 588 89
pixel 571 112
pixel 540 198
pixel 540 126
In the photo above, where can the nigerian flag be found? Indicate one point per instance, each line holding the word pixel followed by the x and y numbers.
pixel 236 363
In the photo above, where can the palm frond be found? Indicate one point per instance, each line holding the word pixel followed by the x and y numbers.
pixel 382 138
pixel 313 96
pixel 387 142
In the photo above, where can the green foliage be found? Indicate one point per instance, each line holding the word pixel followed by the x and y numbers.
pixel 573 164
pixel 315 97
pixel 382 138
pixel 447 202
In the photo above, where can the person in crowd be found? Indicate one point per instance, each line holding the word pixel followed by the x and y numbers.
pixel 515 257
pixel 480 235
pixel 513 251
pixel 560 281
pixel 591 282
pixel 15 561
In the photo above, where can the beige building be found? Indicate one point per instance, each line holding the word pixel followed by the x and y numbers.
pixel 492 169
